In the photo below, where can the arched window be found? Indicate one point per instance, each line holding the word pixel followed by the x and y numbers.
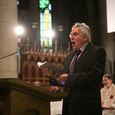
pixel 52 60
pixel 46 59
pixel 45 23
pixel 33 72
pixel 32 59
pixel 40 73
pixel 26 70
pixel 59 60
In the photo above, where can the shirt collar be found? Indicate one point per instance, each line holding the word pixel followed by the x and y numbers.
pixel 83 47
pixel 110 87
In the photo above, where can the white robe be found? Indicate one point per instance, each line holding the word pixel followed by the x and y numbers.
pixel 56 107
pixel 108 99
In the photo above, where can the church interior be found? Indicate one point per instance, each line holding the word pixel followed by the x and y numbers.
pixel 20 53
pixel 64 15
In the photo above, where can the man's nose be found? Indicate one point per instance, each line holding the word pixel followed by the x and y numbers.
pixel 72 37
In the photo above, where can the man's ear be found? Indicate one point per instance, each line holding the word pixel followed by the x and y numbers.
pixel 85 38
pixel 111 80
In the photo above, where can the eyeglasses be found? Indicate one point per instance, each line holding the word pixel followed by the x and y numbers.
pixel 73 34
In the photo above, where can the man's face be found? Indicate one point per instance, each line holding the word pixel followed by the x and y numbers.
pixel 77 38
pixel 107 82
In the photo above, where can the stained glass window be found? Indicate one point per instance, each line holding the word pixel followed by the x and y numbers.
pixel 45 23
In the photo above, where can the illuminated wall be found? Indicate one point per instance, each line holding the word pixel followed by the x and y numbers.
pixel 45 23
pixel 110 8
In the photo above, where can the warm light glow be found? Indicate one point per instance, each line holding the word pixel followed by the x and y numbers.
pixel 49 34
pixel 19 30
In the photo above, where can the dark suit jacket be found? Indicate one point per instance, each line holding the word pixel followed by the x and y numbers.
pixel 84 82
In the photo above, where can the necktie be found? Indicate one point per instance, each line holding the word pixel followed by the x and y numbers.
pixel 73 61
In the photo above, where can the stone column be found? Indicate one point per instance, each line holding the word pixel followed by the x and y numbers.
pixel 8 38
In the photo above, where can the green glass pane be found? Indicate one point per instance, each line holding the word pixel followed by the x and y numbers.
pixel 43 3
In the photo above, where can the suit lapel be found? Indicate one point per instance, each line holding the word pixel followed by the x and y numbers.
pixel 87 49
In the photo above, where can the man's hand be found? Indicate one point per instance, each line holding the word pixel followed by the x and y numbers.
pixel 62 79
pixel 55 88
pixel 49 72
pixel 111 107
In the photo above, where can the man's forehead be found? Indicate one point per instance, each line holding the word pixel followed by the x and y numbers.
pixel 105 78
pixel 76 29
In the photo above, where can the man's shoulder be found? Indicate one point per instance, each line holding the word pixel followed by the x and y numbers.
pixel 92 47
pixel 95 48
pixel 104 88
pixel 113 86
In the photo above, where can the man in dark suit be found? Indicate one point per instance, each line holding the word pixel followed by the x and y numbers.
pixel 82 79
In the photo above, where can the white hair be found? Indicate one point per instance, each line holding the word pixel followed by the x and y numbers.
pixel 84 28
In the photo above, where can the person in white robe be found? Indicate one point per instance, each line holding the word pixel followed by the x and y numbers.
pixel 108 96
